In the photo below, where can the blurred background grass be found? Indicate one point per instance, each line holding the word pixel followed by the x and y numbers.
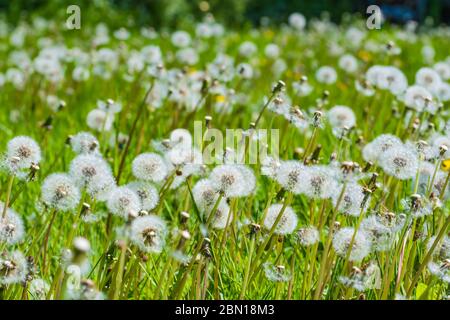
pixel 232 13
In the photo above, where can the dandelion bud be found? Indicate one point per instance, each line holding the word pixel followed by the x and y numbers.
pixel 333 156
pixel 298 153
pixel 184 217
pixel 442 150
pixel 206 249
pixel 303 79
pixel 143 213
pixel 85 208
pixel 47 124
pixel 254 228
pixel 185 235
pixel 325 95
pixel 416 202
pixel 317 117
pixel 279 86
pixel 316 153
pixel 62 105
pixel 208 120
pixel 367 167
pixel 81 245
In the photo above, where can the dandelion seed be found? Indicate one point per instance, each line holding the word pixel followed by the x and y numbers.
pixel 416 97
pixel 353 200
pixel 89 169
pixel 290 175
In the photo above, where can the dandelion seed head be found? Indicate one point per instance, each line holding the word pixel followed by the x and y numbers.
pixel 149 233
pixel 229 180
pixel 205 193
pixel 416 97
pixel 147 193
pixel 326 75
pixel 12 230
pixel 341 117
pixel 59 191
pixel 308 236
pixel 149 167
pixel 123 201
pixel 381 144
pixel 13 267
pixel 400 162
pixel 352 201
pixel 286 224
pixel 290 175
pixel 319 182
pixel 84 143
pixel 21 153
pixel 361 244
pixel 38 289
pixel 277 273
pixel 86 168
pixel 100 120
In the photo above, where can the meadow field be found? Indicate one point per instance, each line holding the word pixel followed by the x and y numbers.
pixel 117 183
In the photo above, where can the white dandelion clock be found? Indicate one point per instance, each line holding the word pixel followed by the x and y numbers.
pixel 85 169
pixel 21 153
pixel 297 21
pixel 353 200
pixel 326 75
pixel 38 289
pixel 84 143
pixel 287 223
pixel 205 194
pixel 308 236
pixel 341 118
pixel 123 202
pixel 348 63
pixel 229 180
pixel 428 78
pixel 150 167
pixel 381 144
pixel 417 97
pixel 290 175
pixel 361 244
pixel 148 233
pixel 13 267
pixel 400 162
pixel 12 230
pixel 319 182
pixel 100 120
pixel 147 193
pixel 59 191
